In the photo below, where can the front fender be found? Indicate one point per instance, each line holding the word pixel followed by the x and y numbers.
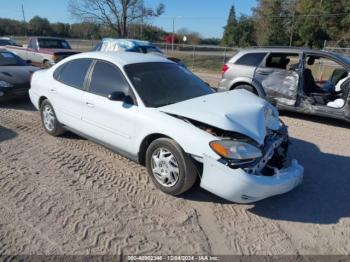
pixel 192 139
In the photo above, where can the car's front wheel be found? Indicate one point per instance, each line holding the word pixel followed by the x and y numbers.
pixel 171 169
pixel 49 119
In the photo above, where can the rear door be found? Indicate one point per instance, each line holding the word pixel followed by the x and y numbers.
pixel 279 76
pixel 67 91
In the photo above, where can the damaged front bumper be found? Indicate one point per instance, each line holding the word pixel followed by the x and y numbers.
pixel 237 185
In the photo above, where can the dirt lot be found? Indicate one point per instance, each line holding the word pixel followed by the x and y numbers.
pixel 68 195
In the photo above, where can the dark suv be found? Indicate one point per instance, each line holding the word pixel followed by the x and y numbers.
pixel 303 80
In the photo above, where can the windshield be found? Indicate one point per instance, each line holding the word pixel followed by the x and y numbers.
pixel 10 59
pixel 53 43
pixel 159 84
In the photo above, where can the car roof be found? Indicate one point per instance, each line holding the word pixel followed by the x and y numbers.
pixel 345 60
pixel 121 58
pixel 284 49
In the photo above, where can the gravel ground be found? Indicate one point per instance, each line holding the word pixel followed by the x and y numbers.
pixel 68 195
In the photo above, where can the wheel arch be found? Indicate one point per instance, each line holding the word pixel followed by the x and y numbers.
pixel 257 87
pixel 41 100
pixel 145 144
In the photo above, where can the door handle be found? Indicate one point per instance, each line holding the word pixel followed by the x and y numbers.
pixel 90 104
pixel 52 90
pixel 264 72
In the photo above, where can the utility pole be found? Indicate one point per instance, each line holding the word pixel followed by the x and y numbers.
pixel 173 37
pixel 142 14
pixel 292 30
pixel 25 23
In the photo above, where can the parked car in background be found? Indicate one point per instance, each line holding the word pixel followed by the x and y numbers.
pixel 44 51
pixel 7 41
pixel 15 74
pixel 302 80
pixel 132 45
pixel 159 114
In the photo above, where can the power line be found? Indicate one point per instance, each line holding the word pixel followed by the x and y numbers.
pixel 266 16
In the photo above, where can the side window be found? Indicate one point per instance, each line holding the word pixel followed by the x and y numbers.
pixel 283 61
pixel 252 59
pixel 73 72
pixel 106 79
pixel 323 68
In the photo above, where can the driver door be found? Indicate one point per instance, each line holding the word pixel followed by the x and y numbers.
pixel 111 122
pixel 279 77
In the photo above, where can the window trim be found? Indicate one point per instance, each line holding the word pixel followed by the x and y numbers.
pixel 263 62
pixel 131 93
pixel 57 73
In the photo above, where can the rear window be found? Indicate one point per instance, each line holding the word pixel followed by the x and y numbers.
pixel 53 43
pixel 252 59
pixel 73 72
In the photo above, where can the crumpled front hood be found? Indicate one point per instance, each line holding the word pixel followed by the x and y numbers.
pixel 238 111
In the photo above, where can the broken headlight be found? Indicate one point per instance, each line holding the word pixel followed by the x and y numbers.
pixel 238 150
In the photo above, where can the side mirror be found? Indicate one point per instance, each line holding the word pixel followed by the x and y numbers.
pixel 117 96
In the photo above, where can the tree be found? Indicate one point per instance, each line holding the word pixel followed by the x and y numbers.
pixel 271 20
pixel 11 27
pixel 325 20
pixel 245 31
pixel 85 30
pixel 117 14
pixel 39 26
pixel 60 29
pixel 230 35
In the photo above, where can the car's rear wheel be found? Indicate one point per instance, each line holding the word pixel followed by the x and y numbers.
pixel 49 119
pixel 46 64
pixel 170 168
pixel 248 88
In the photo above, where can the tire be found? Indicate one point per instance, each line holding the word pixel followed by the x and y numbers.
pixel 46 64
pixel 50 124
pixel 248 88
pixel 186 175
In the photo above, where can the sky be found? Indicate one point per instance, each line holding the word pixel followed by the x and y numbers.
pixel 204 16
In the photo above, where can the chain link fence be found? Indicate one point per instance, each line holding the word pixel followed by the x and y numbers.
pixel 199 58
pixel 341 46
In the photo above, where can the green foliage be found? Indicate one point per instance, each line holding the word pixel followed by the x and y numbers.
pixel 230 35
pixel 39 26
pixel 270 21
pixel 306 22
pixel 11 27
pixel 238 32
pixel 325 20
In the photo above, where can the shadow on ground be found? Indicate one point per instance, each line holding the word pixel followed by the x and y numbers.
pixel 6 134
pixel 317 119
pixel 19 104
pixel 323 197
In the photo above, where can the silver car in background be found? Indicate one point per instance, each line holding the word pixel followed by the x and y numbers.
pixel 295 79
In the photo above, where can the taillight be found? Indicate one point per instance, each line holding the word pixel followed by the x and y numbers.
pixel 224 68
